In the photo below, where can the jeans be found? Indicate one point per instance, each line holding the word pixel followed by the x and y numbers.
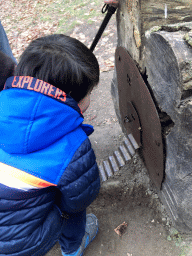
pixel 4 43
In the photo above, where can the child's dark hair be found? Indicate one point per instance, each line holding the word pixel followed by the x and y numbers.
pixel 63 62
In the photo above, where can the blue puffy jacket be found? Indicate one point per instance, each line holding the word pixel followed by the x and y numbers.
pixel 47 165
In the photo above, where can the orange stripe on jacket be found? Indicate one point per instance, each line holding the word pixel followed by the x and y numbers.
pixel 23 176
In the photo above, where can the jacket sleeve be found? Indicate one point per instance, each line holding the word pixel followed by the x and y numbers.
pixel 80 182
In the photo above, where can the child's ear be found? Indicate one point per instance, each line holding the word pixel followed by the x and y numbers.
pixel 7 68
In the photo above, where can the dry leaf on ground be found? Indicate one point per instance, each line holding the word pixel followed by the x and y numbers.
pixel 120 230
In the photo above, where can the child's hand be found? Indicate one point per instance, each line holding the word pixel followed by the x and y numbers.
pixel 114 3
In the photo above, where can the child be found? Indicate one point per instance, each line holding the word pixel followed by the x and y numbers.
pixel 48 172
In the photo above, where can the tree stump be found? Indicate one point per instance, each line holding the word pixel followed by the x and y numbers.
pixel 163 55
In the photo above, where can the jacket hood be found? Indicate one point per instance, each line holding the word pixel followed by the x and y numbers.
pixel 34 115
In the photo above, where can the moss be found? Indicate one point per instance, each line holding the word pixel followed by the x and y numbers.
pixel 152 30
pixel 184 26
pixel 188 38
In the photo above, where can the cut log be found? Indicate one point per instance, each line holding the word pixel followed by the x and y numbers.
pixel 168 62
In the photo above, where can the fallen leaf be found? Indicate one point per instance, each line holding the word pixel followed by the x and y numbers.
pixel 120 230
